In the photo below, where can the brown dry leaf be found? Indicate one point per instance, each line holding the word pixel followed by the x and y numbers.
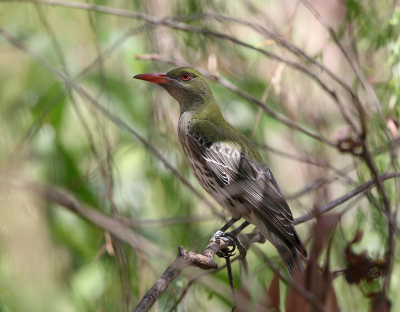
pixel 331 303
pixel 360 266
pixel 316 283
pixel 319 282
pixel 295 302
pixel 322 288
pixel 349 145
pixel 273 294
pixel 243 300
pixel 347 141
pixel 330 300
pixel 379 302
pixel 357 238
pixel 322 227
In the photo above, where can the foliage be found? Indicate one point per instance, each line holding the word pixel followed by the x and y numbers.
pixel 81 125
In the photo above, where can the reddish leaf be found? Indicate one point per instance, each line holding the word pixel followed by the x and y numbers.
pixel 360 266
pixel 243 300
pixel 321 229
pixel 321 286
pixel 330 299
pixel 273 295
pixel 379 302
pixel 295 302
pixel 319 282
pixel 331 303
pixel 347 141
pixel 357 238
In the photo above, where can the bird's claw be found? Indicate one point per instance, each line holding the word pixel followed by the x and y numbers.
pixel 240 247
pixel 232 239
pixel 227 253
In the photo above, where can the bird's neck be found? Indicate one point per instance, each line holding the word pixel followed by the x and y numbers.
pixel 203 107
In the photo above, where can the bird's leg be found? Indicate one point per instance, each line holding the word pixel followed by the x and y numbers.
pixel 228 224
pixel 221 231
pixel 239 229
pixel 234 234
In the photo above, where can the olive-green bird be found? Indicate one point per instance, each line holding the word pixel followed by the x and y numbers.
pixel 228 166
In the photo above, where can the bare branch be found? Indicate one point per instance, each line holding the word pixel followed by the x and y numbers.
pixel 182 26
pixel 204 261
pixel 183 260
pixel 317 183
pixel 109 224
pixel 353 64
pixel 362 188
pixel 185 27
pixel 340 172
pixel 299 53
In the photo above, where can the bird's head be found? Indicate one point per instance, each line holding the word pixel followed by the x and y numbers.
pixel 185 84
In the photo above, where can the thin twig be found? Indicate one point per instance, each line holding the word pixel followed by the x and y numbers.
pixel 342 173
pixel 109 224
pixel 274 72
pixel 362 188
pixel 106 177
pixel 230 276
pixel 115 119
pixel 391 217
pixel 290 123
pixel 353 64
pixel 298 52
pixel 185 27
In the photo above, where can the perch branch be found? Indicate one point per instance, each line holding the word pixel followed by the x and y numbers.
pixel 204 261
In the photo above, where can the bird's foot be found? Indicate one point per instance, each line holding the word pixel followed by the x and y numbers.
pixel 226 253
pixel 233 239
pixel 234 235
pixel 220 235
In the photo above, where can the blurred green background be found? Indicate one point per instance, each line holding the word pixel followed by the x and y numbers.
pixel 52 259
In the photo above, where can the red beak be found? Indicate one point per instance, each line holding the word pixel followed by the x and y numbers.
pixel 154 78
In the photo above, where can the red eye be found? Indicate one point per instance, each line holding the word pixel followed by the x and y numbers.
pixel 185 76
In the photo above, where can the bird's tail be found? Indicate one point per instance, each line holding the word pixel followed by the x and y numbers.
pixel 289 255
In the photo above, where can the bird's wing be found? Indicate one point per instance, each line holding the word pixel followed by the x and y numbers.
pixel 243 178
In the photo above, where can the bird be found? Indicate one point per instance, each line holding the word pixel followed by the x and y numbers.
pixel 228 166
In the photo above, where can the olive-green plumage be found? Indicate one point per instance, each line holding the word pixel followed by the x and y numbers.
pixel 227 165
